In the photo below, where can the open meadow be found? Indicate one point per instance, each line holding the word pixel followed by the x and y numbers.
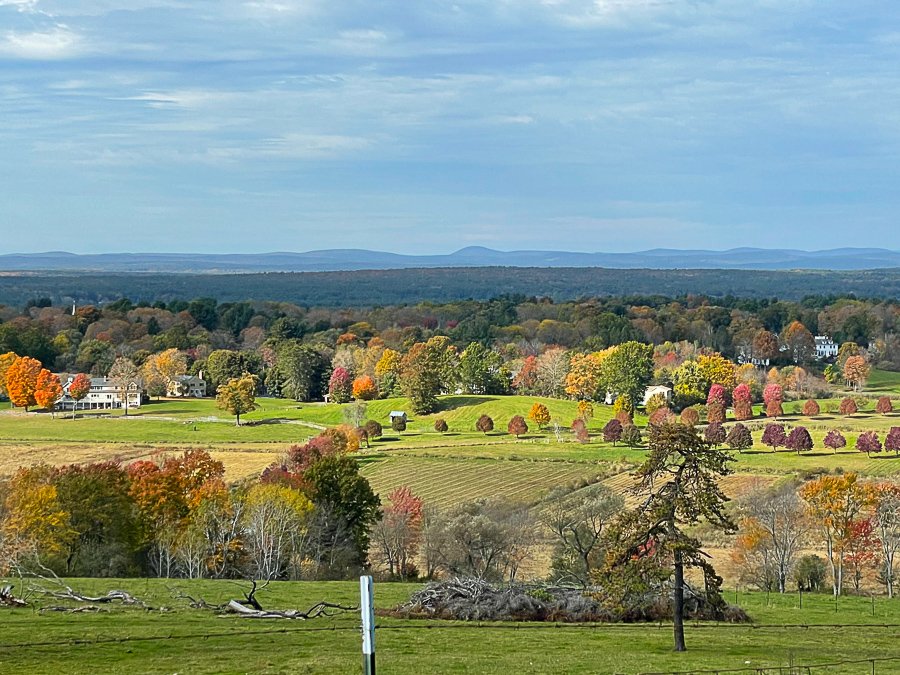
pixel 459 465
pixel 171 637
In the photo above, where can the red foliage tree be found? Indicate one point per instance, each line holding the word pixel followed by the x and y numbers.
pixel 79 388
pixel 579 428
pixel 364 388
pixel 848 407
pixel 774 409
pixel 484 424
pixel 868 443
pixel 340 385
pixel 517 426
pixel 884 405
pixel 835 440
pixel 715 413
pixel 716 395
pixel 773 392
pixel 739 438
pixel 661 416
pixel 892 441
pixel 612 432
pixel 714 434
pixel 799 440
pixel 774 436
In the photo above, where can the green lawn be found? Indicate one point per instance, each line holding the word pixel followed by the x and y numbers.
pixel 193 641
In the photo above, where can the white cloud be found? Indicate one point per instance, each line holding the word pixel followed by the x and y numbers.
pixel 56 43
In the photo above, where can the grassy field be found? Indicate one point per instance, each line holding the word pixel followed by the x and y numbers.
pixel 182 640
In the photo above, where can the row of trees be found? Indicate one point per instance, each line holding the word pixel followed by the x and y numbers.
pixel 856 522
pixel 175 516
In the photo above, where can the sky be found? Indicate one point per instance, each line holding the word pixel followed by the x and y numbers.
pixel 425 126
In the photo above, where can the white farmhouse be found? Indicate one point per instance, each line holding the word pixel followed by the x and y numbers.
pixel 825 347
pixel 186 386
pixel 103 395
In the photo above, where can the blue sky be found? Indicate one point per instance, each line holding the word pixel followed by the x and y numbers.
pixel 426 126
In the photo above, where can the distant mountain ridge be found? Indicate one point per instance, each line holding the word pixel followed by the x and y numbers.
pixel 472 256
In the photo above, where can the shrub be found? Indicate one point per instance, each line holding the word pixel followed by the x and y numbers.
pixel 868 443
pixel 848 407
pixel 612 432
pixel 398 424
pixel 690 417
pixel 517 426
pixel 660 417
pixel 714 433
pixel 743 410
pixel 580 430
pixel 440 425
pixel 835 440
pixel 631 436
pixel 884 405
pixel 810 408
pixel 774 409
pixel 739 438
pixel 484 424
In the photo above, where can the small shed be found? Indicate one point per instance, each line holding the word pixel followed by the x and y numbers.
pixel 397 414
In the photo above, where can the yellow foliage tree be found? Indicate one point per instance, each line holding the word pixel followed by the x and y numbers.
pixel 716 369
pixel 160 369
pixel 34 516
pixel 539 414
pixel 585 377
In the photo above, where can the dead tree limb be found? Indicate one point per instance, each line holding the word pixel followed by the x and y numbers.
pixel 317 610
pixel 7 599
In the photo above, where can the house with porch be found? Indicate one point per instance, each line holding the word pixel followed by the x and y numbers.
pixel 104 394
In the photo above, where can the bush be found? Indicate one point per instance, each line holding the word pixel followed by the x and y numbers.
pixel 517 426
pixel 811 408
pixel 440 425
pixel 690 417
pixel 810 573
pixel 373 429
pixel 484 424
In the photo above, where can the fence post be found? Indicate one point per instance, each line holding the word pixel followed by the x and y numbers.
pixel 367 607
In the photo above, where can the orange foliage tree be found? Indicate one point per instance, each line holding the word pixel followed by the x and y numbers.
pixel 48 390
pixel 6 360
pixel 21 381
pixel 364 388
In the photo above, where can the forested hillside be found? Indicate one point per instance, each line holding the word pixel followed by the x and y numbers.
pixel 385 287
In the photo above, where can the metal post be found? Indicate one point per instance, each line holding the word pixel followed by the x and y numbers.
pixel 367 607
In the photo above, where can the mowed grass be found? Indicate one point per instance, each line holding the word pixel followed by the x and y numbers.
pixel 184 640
pixel 445 482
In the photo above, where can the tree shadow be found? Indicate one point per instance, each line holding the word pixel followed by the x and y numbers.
pixel 454 402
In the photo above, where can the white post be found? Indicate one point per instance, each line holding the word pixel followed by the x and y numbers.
pixel 367 607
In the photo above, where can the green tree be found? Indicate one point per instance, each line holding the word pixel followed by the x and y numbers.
pixel 628 369
pixel 680 482
pixel 301 370
pixel 238 396
pixel 481 371
pixel 425 371
pixel 225 364
pixel 336 488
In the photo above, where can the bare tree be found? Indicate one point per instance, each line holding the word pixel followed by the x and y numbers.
pixel 887 523
pixel 778 520
pixel 577 520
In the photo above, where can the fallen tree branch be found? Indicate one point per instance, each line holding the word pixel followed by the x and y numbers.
pixel 66 592
pixel 83 609
pixel 317 610
pixel 7 599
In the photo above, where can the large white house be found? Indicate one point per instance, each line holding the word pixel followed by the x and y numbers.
pixel 103 395
pixel 825 347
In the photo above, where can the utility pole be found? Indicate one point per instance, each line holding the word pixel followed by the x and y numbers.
pixel 367 607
